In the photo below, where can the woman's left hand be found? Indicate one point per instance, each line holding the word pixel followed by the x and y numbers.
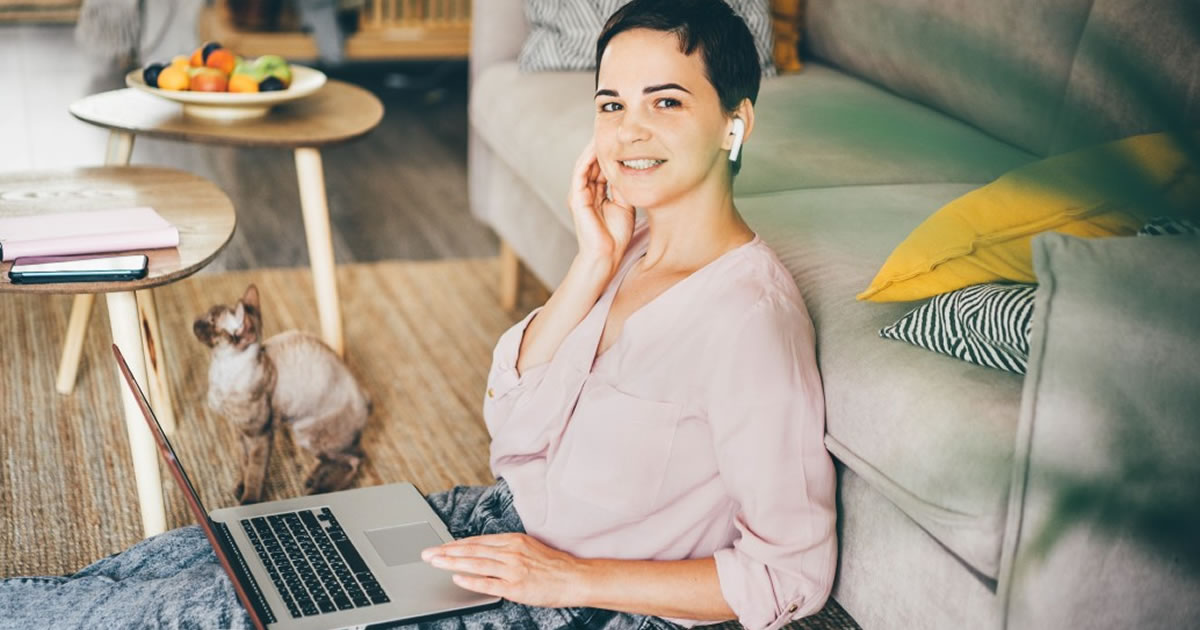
pixel 516 567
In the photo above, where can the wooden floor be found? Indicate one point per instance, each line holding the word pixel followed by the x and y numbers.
pixel 399 193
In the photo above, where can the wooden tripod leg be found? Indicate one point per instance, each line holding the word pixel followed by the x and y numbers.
pixel 156 361
pixel 510 276
pixel 68 365
pixel 125 323
pixel 315 209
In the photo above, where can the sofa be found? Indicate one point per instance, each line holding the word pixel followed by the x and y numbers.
pixel 947 470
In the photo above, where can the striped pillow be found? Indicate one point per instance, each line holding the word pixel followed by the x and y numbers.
pixel 985 324
pixel 1168 226
pixel 563 33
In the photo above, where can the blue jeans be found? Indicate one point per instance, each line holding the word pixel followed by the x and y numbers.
pixel 173 580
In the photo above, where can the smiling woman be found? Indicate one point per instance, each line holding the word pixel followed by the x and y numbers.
pixel 657 426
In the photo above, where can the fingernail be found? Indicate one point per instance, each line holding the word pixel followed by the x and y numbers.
pixel 426 554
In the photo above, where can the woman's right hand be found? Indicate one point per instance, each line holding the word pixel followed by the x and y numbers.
pixel 603 226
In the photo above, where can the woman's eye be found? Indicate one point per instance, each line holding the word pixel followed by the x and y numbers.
pixel 668 103
pixel 610 107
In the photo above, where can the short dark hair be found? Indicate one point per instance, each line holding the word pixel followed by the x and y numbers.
pixel 725 43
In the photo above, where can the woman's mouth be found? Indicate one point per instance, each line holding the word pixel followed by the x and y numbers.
pixel 640 165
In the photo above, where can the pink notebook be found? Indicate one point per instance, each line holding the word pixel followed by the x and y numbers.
pixel 85 233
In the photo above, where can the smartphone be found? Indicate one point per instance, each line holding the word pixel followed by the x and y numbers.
pixel 78 269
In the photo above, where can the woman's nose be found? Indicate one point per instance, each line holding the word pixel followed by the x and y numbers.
pixel 632 129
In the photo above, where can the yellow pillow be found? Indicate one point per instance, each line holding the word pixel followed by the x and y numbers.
pixel 787 24
pixel 985 235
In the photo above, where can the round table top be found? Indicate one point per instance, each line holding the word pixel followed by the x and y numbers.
pixel 201 212
pixel 336 113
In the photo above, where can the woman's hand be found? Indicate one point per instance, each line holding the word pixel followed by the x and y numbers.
pixel 516 567
pixel 603 226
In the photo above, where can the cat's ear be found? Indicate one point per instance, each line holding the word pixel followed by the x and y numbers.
pixel 247 332
pixel 250 298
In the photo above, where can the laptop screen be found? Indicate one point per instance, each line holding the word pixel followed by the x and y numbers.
pixel 185 485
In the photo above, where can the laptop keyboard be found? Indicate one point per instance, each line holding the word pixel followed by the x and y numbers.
pixel 314 566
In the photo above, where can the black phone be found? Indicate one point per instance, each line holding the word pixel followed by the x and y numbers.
pixel 40 270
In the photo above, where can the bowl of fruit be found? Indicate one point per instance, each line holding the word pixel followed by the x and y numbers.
pixel 217 84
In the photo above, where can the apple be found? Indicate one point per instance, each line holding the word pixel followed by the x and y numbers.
pixel 274 66
pixel 209 80
pixel 248 68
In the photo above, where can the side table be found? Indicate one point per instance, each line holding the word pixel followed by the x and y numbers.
pixel 205 219
pixel 339 112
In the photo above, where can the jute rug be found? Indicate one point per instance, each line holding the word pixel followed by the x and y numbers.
pixel 418 334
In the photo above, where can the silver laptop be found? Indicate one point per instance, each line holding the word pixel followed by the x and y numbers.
pixel 347 559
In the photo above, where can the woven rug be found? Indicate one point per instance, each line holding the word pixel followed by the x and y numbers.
pixel 418 334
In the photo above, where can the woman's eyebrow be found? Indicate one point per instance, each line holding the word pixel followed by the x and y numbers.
pixel 664 86
pixel 648 90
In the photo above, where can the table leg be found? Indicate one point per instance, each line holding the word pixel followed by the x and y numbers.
pixel 155 356
pixel 315 209
pixel 118 152
pixel 510 276
pixel 125 322
pixel 68 366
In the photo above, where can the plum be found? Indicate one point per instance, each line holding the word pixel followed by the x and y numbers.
pixel 206 50
pixel 150 74
pixel 271 84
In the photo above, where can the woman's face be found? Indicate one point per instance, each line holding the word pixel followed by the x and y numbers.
pixel 659 124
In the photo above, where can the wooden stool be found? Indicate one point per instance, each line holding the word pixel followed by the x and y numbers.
pixel 205 219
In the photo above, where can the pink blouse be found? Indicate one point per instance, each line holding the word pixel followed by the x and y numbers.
pixel 697 433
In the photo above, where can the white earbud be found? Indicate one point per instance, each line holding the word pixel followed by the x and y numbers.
pixel 739 132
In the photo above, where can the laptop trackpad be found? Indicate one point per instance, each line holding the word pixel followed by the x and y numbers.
pixel 403 544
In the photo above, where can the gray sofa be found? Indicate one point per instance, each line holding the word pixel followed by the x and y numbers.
pixel 904 106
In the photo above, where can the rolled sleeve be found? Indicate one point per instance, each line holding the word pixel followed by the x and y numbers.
pixel 767 413
pixel 504 385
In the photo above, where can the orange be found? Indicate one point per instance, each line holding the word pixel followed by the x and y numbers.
pixel 242 83
pixel 197 59
pixel 222 60
pixel 181 61
pixel 173 78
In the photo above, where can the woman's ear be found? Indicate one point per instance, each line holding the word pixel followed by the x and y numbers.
pixel 745 113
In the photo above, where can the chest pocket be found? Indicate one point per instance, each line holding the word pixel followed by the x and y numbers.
pixel 616 448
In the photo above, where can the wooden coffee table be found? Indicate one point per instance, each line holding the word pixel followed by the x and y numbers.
pixel 339 112
pixel 205 219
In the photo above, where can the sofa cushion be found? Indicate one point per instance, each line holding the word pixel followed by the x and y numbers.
pixel 984 236
pixel 563 33
pixel 813 129
pixel 987 324
pixel 933 434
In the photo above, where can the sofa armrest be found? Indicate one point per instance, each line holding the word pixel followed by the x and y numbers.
pixel 1104 496
pixel 498 29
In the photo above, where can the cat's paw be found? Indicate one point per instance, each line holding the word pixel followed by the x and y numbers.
pixel 330 476
pixel 246 497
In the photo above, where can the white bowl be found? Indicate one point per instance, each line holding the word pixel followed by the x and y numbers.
pixel 235 105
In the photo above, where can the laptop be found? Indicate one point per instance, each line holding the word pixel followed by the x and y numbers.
pixel 349 559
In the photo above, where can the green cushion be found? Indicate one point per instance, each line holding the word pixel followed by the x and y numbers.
pixel 925 430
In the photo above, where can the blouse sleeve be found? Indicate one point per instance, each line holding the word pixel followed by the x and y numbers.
pixel 767 413
pixel 505 387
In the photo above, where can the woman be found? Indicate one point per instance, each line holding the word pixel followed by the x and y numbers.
pixel 657 425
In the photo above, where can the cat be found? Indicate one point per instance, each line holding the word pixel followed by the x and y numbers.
pixel 291 379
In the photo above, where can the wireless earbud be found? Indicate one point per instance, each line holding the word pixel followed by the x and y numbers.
pixel 739 132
